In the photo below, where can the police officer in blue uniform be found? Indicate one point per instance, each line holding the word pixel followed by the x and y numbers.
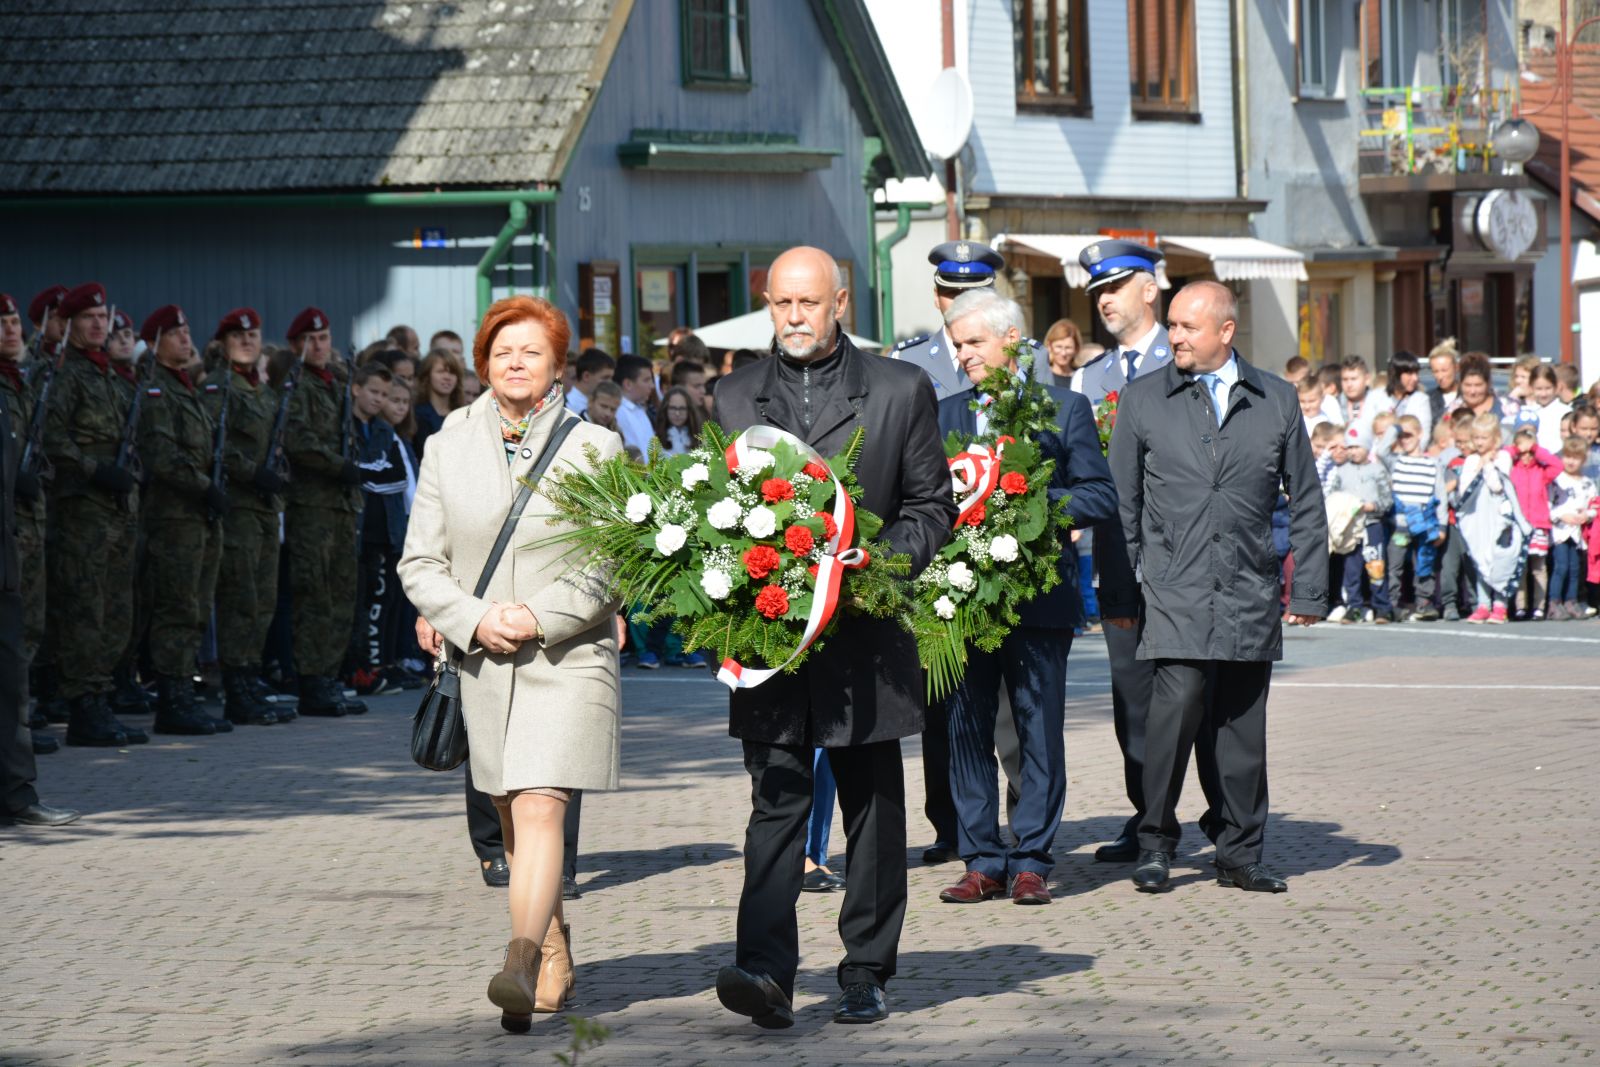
pixel 957 267
pixel 1122 284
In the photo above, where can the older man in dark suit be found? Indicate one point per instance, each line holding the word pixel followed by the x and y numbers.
pixel 862 692
pixel 1201 450
pixel 1032 663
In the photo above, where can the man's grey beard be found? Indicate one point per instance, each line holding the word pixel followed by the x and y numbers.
pixel 812 350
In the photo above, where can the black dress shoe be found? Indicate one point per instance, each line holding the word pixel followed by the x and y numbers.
pixel 756 995
pixel 497 875
pixel 42 815
pixel 1252 878
pixel 818 880
pixel 1125 849
pixel 1154 872
pixel 44 744
pixel 940 852
pixel 569 888
pixel 861 1002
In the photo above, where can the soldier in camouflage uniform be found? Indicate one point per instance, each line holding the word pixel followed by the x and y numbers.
pixel 182 510
pixel 320 524
pixel 247 586
pixel 43 347
pixel 128 697
pixel 20 396
pixel 92 508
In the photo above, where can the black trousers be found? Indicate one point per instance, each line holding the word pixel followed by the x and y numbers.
pixel 872 800
pixel 17 770
pixel 939 805
pixel 1453 592
pixel 1219 709
pixel 483 827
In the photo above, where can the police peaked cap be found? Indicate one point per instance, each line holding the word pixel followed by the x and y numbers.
pixel 84 297
pixel 41 304
pixel 1111 260
pixel 965 264
pixel 240 319
pixel 165 317
pixel 308 320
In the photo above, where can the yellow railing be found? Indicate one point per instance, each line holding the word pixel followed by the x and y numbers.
pixel 1430 129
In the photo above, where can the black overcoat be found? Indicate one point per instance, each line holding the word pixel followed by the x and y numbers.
pixel 1196 503
pixel 866 684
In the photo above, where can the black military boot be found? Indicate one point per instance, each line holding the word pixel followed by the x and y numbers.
pixel 136 736
pixel 130 697
pixel 56 710
pixel 189 696
pixel 352 706
pixel 321 698
pixel 176 715
pixel 36 717
pixel 91 724
pixel 239 704
pixel 282 704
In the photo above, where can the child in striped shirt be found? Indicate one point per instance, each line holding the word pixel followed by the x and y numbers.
pixel 1419 523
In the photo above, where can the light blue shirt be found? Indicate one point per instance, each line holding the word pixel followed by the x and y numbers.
pixel 1226 377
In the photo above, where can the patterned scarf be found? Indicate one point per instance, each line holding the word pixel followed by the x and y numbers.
pixel 512 432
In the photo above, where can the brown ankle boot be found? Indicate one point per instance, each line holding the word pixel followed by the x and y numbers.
pixel 512 990
pixel 556 979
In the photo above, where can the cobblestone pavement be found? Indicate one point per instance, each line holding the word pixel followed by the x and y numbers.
pixel 303 894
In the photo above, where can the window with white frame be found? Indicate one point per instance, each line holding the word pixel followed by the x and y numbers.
pixel 1318 74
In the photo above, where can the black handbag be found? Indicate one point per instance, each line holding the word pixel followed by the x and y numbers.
pixel 438 731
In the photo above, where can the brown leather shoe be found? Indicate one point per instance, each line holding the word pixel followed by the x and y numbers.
pixel 1029 888
pixel 512 990
pixel 972 889
pixel 556 978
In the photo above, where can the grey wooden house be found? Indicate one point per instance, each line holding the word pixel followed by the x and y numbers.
pixel 639 161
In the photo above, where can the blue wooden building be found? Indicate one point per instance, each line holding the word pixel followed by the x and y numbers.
pixel 639 161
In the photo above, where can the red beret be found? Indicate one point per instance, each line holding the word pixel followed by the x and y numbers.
pixel 121 320
pixel 239 319
pixel 86 296
pixel 308 320
pixel 43 302
pixel 166 317
pixel 8 306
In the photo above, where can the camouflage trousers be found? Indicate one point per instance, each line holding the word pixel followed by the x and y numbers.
pixel 180 581
pixel 89 604
pixel 247 587
pixel 31 554
pixel 322 584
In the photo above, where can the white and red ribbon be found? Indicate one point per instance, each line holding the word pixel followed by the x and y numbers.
pixel 837 555
pixel 974 474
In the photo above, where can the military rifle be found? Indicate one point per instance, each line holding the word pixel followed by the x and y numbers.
pixel 277 452
pixel 219 473
pixel 35 464
pixel 128 448
pixel 346 412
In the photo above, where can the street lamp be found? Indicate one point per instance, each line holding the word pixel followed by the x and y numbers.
pixel 1516 141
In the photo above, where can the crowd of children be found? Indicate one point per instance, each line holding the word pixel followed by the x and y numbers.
pixel 1455 502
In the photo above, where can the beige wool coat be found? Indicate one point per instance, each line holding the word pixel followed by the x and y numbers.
pixel 548 715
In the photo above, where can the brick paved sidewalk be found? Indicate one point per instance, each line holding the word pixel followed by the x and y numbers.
pixel 302 894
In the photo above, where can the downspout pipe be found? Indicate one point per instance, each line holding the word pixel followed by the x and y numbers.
pixel 516 222
pixel 902 227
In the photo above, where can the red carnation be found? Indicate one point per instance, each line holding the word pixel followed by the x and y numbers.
pixel 813 570
pixel 761 561
pixel 799 540
pixel 830 529
pixel 1014 483
pixel 772 602
pixel 976 515
pixel 816 472
pixel 1111 398
pixel 776 489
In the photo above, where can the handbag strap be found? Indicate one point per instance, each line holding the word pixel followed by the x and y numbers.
pixel 507 528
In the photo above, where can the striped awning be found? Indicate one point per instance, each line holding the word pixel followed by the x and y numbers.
pixel 1241 259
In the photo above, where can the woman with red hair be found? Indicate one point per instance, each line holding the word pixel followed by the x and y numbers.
pixel 539 684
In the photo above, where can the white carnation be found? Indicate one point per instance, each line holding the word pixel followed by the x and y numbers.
pixel 1003 548
pixel 639 507
pixel 716 584
pixel 760 522
pixel 961 577
pixel 696 474
pixel 724 514
pixel 944 607
pixel 757 459
pixel 671 538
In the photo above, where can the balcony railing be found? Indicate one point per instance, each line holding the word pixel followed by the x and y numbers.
pixel 1430 129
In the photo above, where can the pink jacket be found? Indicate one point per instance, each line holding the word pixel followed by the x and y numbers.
pixel 1532 484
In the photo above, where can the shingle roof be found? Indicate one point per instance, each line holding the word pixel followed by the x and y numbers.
pixel 1541 106
pixel 192 96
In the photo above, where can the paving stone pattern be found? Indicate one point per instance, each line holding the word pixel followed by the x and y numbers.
pixel 304 895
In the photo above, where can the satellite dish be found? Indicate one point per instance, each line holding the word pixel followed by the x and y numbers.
pixel 947 114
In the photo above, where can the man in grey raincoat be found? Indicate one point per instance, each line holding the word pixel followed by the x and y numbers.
pixel 1199 454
